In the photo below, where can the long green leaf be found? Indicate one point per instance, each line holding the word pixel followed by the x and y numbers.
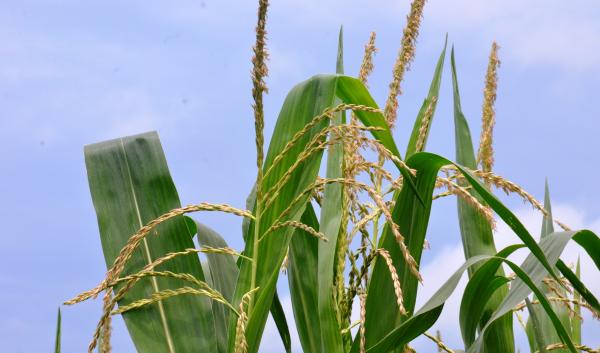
pixel 278 316
pixel 58 329
pixel 545 332
pixel 412 218
pixel 223 272
pixel 130 186
pixel 476 232
pixel 434 93
pixel 307 100
pixel 536 328
pixel 303 282
pixel 576 320
pixel 330 221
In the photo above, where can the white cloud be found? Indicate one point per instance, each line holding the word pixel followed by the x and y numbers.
pixel 534 33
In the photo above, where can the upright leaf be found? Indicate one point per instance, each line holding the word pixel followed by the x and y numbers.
pixel 58 328
pixel 476 233
pixel 576 320
pixel 431 100
pixel 307 100
pixel 548 334
pixel 131 185
pixel 223 272
pixel 303 282
pixel 536 328
pixel 330 221
pixel 412 217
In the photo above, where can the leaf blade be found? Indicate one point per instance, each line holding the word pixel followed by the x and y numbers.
pixel 131 185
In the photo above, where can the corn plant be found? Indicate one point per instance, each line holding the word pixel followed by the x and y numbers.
pixel 337 207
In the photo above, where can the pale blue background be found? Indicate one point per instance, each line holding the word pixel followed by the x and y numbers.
pixel 77 72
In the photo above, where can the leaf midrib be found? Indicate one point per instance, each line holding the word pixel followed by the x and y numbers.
pixel 154 281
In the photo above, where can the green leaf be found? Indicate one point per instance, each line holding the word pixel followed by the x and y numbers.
pixel 130 186
pixel 476 233
pixel 351 91
pixel 330 221
pixel 434 93
pixel 478 292
pixel 431 163
pixel 223 272
pixel 545 326
pixel 425 317
pixel 281 322
pixel 531 272
pixel 412 217
pixel 307 100
pixel 58 328
pixel 576 320
pixel 303 283
pixel 536 328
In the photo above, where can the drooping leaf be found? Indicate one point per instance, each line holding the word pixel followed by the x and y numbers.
pixel 476 233
pixel 131 185
pixel 528 274
pixel 428 314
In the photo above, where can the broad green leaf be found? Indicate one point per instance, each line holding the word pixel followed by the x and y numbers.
pixel 476 232
pixel 130 186
pixel 303 283
pixel 434 93
pixel 58 328
pixel 545 331
pixel 307 100
pixel 330 221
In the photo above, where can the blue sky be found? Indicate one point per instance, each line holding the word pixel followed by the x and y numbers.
pixel 73 73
